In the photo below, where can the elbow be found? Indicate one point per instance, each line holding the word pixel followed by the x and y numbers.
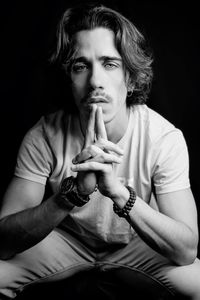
pixel 187 253
pixel 186 256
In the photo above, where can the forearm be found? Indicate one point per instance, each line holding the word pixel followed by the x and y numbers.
pixel 26 228
pixel 167 236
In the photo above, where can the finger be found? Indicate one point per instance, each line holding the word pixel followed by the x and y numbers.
pixel 91 166
pixel 100 126
pixel 86 154
pixel 98 149
pixel 102 157
pixel 94 153
pixel 106 158
pixel 109 146
pixel 90 130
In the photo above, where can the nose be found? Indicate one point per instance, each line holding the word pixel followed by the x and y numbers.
pixel 96 77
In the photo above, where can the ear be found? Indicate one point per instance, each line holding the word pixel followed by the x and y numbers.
pixel 130 88
pixel 130 83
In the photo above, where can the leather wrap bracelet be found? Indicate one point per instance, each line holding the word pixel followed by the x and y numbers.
pixel 124 212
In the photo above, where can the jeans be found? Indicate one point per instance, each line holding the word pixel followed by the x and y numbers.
pixel 61 255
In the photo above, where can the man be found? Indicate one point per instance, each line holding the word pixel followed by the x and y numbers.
pixel 103 162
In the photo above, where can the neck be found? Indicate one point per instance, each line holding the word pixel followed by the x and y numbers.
pixel 116 128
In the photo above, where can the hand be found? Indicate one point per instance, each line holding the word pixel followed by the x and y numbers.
pixel 99 157
pixel 86 180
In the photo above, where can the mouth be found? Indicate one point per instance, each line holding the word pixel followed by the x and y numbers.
pixel 96 100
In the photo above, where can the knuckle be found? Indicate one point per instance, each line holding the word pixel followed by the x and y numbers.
pixel 101 157
pixel 101 140
pixel 89 148
pixel 92 147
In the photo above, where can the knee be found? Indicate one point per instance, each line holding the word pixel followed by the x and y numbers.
pixel 9 275
pixel 195 294
pixel 186 280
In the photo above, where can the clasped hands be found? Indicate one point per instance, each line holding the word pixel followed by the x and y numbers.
pixel 95 163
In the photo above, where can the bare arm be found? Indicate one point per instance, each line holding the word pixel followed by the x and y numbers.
pixel 25 219
pixel 171 231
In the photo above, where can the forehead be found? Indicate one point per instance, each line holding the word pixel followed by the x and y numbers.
pixel 99 41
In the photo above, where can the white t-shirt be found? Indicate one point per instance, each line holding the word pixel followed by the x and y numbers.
pixel 155 154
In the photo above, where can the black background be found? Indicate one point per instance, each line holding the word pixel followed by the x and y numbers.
pixel 29 90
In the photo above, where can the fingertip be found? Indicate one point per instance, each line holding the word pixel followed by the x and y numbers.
pixel 94 107
pixel 121 151
pixel 119 160
pixel 100 109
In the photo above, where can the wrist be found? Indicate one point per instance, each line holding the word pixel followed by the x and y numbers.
pixel 63 203
pixel 70 194
pixel 121 196
pixel 124 212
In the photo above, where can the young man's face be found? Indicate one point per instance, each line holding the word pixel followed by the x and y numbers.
pixel 98 75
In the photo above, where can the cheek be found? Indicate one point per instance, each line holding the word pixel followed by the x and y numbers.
pixel 122 89
pixel 77 87
pixel 76 84
pixel 119 83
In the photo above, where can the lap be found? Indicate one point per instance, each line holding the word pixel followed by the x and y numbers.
pixel 56 257
pixel 60 255
pixel 138 256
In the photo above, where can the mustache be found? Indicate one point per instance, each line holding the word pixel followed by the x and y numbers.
pixel 96 94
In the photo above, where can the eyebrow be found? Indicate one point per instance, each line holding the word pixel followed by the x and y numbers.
pixel 101 58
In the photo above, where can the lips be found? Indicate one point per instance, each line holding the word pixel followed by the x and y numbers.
pixel 96 99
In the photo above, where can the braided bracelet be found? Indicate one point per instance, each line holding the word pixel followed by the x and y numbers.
pixel 124 212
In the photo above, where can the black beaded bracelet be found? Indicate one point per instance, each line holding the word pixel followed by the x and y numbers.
pixel 124 212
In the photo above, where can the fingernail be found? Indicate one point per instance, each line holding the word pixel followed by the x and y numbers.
pixel 94 107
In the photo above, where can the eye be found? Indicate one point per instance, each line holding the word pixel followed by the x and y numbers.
pixel 110 65
pixel 79 67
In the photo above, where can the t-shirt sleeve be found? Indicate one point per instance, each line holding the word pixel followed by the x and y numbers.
pixel 34 156
pixel 171 164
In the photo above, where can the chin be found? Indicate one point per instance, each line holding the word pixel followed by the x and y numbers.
pixel 107 118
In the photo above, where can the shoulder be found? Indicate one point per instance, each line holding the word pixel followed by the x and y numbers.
pixel 50 125
pixel 154 125
pixel 54 122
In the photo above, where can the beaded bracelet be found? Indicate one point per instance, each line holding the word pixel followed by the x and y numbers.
pixel 124 212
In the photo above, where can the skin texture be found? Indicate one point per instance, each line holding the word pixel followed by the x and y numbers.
pixel 90 73
pixel 99 87
pixel 98 77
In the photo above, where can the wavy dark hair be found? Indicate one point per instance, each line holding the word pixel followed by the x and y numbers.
pixel 129 42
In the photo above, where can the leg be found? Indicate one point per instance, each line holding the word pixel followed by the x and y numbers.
pixel 186 279
pixel 138 256
pixel 57 257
